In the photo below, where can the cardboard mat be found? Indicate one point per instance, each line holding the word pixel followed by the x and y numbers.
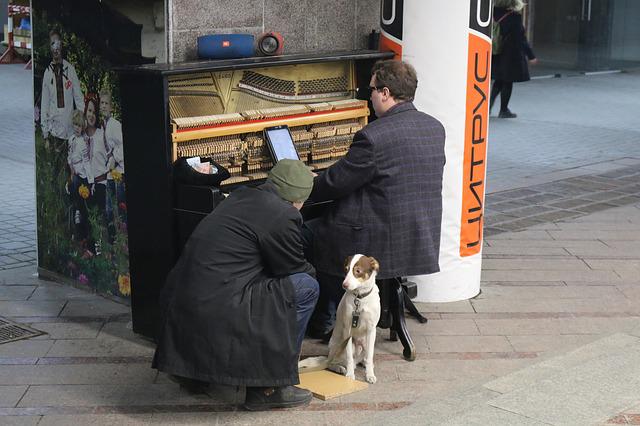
pixel 327 384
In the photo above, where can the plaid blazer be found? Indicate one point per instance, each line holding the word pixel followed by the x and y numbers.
pixel 387 194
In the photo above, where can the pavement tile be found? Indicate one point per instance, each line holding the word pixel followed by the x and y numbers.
pixel 108 395
pixel 601 387
pixel 490 292
pixel 107 420
pixel 79 374
pixel 451 327
pixel 613 304
pixel 31 308
pixel 16 292
pixel 53 291
pixel 526 264
pixel 25 348
pixel 10 394
pixel 461 306
pixel 469 344
pixel 20 420
pixel 555 326
pixel 99 347
pixel 98 307
pixel 56 331
pixel 553 275
pixel 551 343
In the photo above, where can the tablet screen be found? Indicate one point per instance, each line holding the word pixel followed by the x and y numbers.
pixel 281 143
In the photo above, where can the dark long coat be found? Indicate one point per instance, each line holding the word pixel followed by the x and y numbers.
pixel 512 64
pixel 228 304
pixel 387 193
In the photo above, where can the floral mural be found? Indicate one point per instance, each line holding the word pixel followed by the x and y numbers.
pixel 80 169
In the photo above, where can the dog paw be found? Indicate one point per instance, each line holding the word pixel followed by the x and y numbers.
pixel 351 376
pixel 371 379
pixel 340 369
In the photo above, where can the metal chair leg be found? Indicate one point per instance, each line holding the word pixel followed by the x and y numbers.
pixel 398 323
pixel 412 308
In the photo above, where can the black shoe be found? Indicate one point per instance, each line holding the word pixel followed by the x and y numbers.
pixel 324 336
pixel 192 386
pixel 259 399
pixel 507 114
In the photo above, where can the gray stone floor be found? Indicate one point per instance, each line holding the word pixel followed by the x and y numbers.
pixel 560 289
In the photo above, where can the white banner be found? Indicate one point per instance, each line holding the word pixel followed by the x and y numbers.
pixel 449 44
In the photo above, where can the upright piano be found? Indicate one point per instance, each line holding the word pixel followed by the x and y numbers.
pixel 218 109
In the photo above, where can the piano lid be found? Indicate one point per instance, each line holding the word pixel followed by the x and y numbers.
pixel 255 62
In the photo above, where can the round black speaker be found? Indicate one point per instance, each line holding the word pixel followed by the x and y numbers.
pixel 270 44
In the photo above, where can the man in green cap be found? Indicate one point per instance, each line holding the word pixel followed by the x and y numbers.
pixel 237 303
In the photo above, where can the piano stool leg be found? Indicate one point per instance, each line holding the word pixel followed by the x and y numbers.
pixel 398 323
pixel 412 308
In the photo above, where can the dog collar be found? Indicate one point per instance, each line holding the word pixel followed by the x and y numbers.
pixel 362 296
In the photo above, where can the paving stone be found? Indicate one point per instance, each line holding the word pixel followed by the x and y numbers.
pixel 469 344
pixel 490 292
pixel 108 395
pixel 552 275
pixel 25 348
pixel 551 343
pixel 10 395
pixel 114 419
pixel 97 307
pixel 16 292
pixel 20 420
pixel 600 387
pixel 595 207
pixel 555 326
pixel 100 347
pixel 462 306
pixel 613 304
pixel 31 308
pixel 53 291
pixel 448 327
pixel 78 374
pixel 523 265
pixel 86 330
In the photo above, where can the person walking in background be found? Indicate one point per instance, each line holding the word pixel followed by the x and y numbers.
pixel 511 63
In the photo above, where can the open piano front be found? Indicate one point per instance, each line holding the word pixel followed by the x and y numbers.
pixel 218 109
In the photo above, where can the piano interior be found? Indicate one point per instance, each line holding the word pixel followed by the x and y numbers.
pixel 221 115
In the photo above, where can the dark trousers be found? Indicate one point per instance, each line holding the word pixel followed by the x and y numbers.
pixel 306 292
pixel 504 88
pixel 331 290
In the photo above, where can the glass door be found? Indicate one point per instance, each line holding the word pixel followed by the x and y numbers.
pixel 582 35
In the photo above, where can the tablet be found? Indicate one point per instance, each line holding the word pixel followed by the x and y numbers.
pixel 280 143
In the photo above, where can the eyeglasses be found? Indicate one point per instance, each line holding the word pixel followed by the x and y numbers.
pixel 377 88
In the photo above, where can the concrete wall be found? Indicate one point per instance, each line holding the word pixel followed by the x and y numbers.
pixel 150 14
pixel 306 25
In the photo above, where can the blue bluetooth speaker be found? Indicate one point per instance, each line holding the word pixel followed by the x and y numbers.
pixel 225 46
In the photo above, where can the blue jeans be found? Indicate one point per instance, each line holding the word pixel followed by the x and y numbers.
pixel 306 290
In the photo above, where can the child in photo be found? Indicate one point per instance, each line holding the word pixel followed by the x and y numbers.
pixel 113 141
pixel 79 162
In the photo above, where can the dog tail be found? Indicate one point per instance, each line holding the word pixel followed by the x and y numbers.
pixel 314 363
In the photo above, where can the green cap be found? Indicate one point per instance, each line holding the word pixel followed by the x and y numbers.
pixel 293 180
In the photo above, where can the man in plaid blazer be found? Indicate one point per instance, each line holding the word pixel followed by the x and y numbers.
pixel 386 192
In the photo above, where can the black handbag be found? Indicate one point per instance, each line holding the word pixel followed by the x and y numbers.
pixel 185 174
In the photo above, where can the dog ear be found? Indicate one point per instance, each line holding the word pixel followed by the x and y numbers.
pixel 347 262
pixel 374 264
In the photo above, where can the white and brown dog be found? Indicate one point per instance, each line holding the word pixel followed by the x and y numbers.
pixel 354 334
